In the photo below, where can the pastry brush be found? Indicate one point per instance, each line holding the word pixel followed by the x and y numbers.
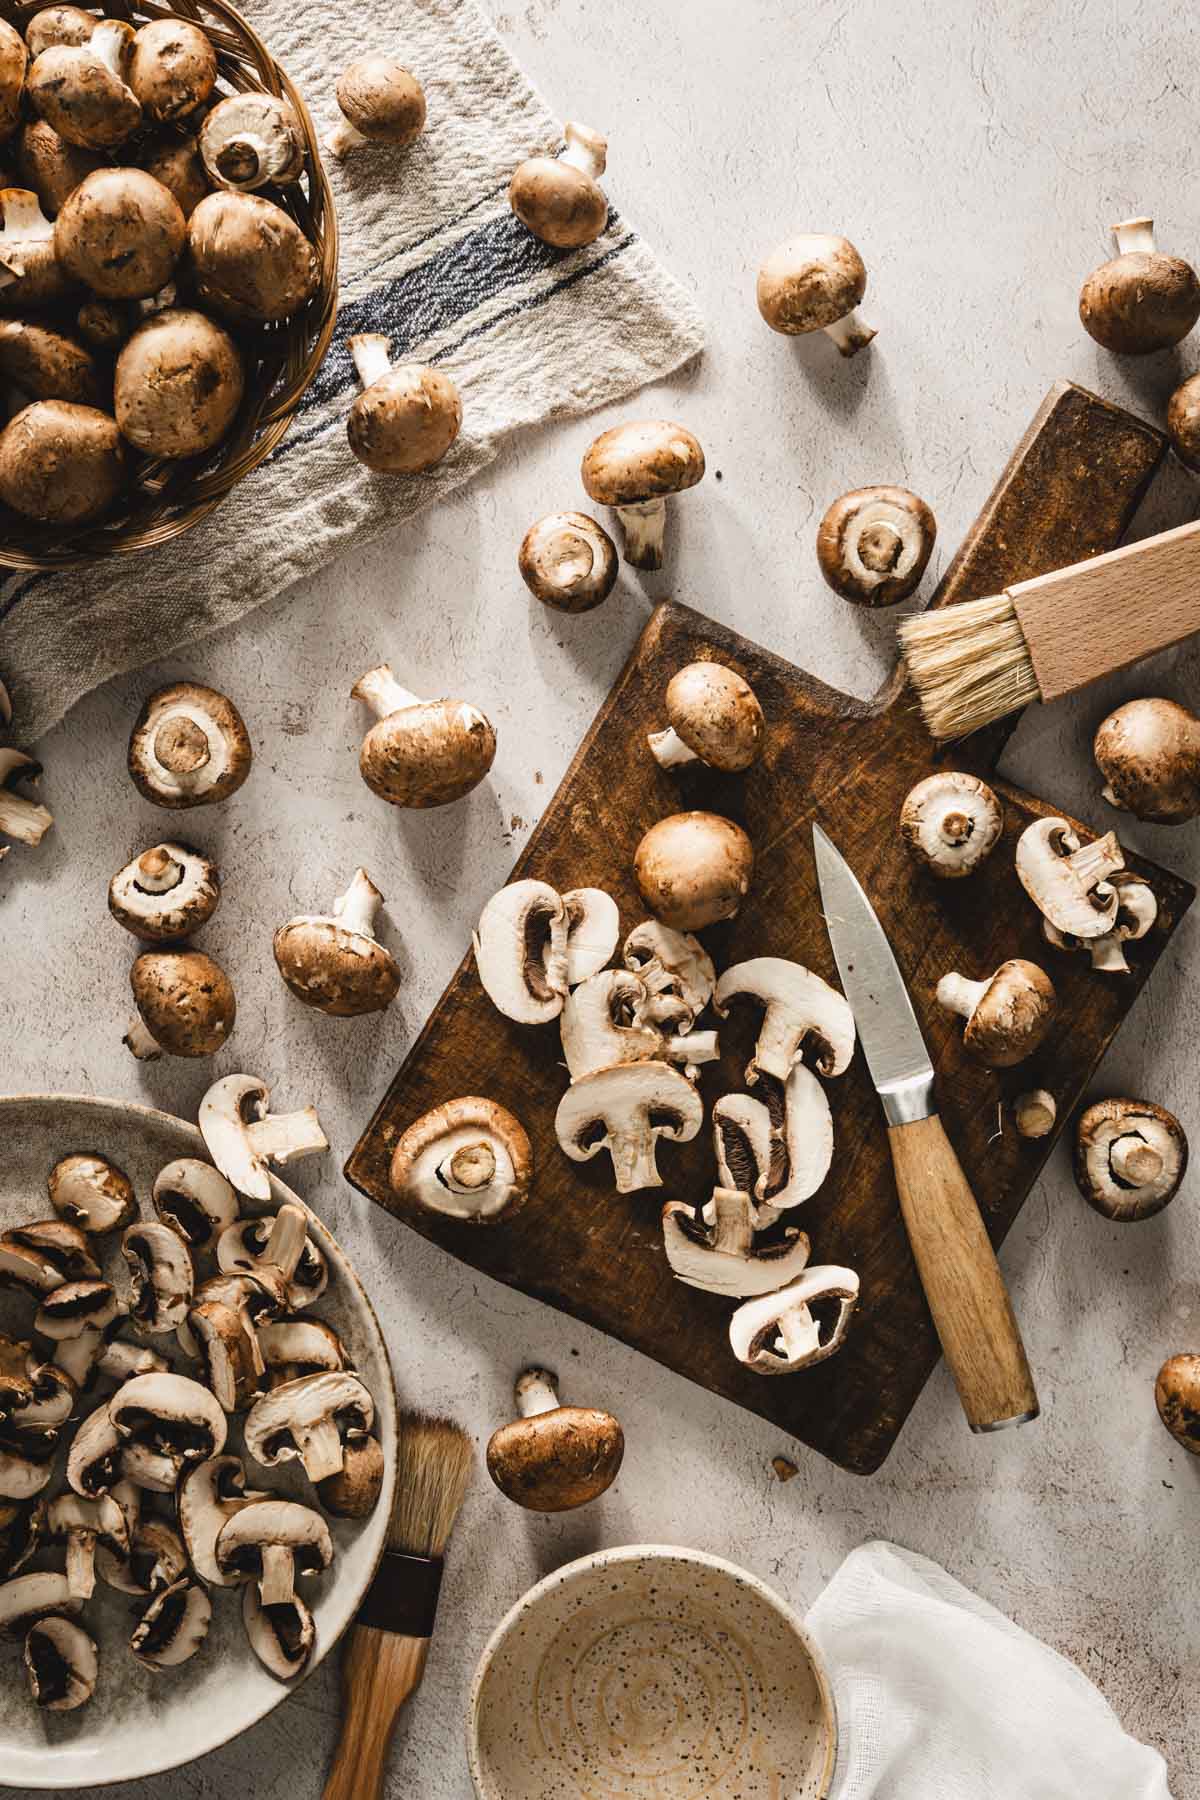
pixel 385 1653
pixel 1038 640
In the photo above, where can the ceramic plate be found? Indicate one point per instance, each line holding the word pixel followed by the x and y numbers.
pixel 139 1722
pixel 651 1673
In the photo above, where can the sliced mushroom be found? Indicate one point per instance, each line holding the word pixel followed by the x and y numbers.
pixel 636 468
pixel 559 198
pixel 354 1492
pixel 185 1005
pixel 20 817
pixel 1148 752
pixel 209 1495
pixel 29 1597
pixel 173 1626
pixel 81 1524
pixel 249 259
pixel 14 1517
pixel 281 1636
pixel 272 1542
pixel 1130 1158
pixel 256 1299
pixel 1142 300
pixel 56 1241
pixel 280 1242
pixel 520 949
pixel 120 1362
pixel 22 1266
pixel 25 1468
pixel 807 1137
pixel 714 718
pixel 407 416
pixel 421 752
pixel 189 747
pixel 593 928
pixel 951 822
pixel 334 961
pixel 250 139
pixel 748 1152
pixel 600 1026
pixel 179 384
pixel 777 1334
pixel 814 283
pixel 722 1256
pixel 170 1417
pixel 61 1664
pixel 243 1137
pixel 51 1399
pixel 873 544
pixel 309 1418
pixel 75 1306
pixel 1034 1113
pixel 694 869
pixel 553 1458
pixel 120 234
pixel 1137 909
pixel 799 1009
pixel 625 1111
pixel 226 1344
pixel 673 966
pixel 161 1276
pixel 1008 1014
pixel 568 562
pixel 92 1193
pixel 1068 881
pixel 82 89
pixel 195 1200
pixel 293 1347
pixel 93 1462
pixel 157 1558
pixel 380 103
pixel 468 1159
pixel 1177 1397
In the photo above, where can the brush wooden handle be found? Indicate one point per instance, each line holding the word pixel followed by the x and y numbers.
pixel 379 1671
pixel 962 1280
pixel 1099 616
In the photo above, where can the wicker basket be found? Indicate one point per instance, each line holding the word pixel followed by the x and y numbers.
pixel 165 498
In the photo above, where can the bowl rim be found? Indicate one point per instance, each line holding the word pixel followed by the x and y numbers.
pixel 625 1553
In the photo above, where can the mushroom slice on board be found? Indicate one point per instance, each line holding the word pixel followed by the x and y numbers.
pixel 873 544
pixel 467 1159
pixel 807 1135
pixel 209 1495
pixel 1130 1158
pixel 520 949
pixel 568 562
pixel 420 753
pixel 195 1200
pixel 272 1542
pixel 625 1111
pixel 777 1334
pixel 407 416
pixel 92 1193
pixel 250 139
pixel 168 1417
pixel 635 468
pixel 559 198
pixel 599 1024
pixel 161 1276
pixel 57 1241
pixel 61 1664
pixel 380 103
pixel 282 1636
pixel 355 1490
pixel 722 1257
pixel 553 1458
pixel 333 961
pixel 1148 752
pixel 799 1008
pixel 951 822
pixel 277 1242
pixel 814 282
pixel 748 1149
pixel 1068 881
pixel 1008 1014
pixel 1137 909
pixel 713 718
pixel 671 964
pixel 593 928
pixel 189 747
pixel 309 1419
pixel 694 869
pixel 21 818
pixel 243 1137
pixel 173 1626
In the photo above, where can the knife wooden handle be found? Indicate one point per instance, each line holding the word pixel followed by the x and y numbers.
pixel 962 1280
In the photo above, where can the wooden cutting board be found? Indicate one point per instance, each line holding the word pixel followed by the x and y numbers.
pixel 1068 493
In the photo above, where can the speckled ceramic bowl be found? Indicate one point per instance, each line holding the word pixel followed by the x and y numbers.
pixel 651 1673
pixel 140 1722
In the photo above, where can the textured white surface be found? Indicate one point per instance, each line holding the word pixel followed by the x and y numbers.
pixel 976 155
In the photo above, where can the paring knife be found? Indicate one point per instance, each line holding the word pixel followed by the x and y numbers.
pixel 958 1268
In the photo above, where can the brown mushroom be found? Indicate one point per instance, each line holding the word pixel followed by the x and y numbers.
pixel 59 25
pixel 635 468
pixel 406 417
pixel 250 259
pixel 713 717
pixel 61 463
pixel 873 544
pixel 469 1159
pixel 1130 1158
pixel 51 166
pixel 13 59
pixel 814 283
pixel 175 162
pixel 1149 754
pixel 31 274
pixel 1177 1397
pixel 92 1193
pixel 185 1003
pixel 1183 422
pixel 421 752
pixel 179 384
pixel 48 365
pixel 189 746
pixel 172 69
pixel 1008 1014
pixel 693 869
pixel 559 198
pixel 120 233
pixel 250 139
pixel 568 562
pixel 82 90
pixel 354 1491
pixel 334 961
pixel 1141 300
pixel 552 1458
pixel 105 324
pixel 380 103
pixel 164 894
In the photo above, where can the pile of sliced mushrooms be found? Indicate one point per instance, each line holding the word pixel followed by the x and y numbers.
pixel 117 1408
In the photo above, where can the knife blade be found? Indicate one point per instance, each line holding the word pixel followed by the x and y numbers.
pixel 967 1297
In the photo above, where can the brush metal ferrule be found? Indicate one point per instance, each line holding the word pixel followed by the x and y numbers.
pixel 403 1597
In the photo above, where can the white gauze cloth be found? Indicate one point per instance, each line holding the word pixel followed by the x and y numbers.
pixel 940 1697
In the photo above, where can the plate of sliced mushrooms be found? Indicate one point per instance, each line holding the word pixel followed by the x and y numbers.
pixel 197 1433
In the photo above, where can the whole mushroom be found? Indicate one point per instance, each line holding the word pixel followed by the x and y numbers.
pixel 179 383
pixel 406 417
pixel 189 746
pixel 951 822
pixel 1149 754
pixel 380 103
pixel 636 468
pixel 1177 1397
pixel 51 166
pixel 1008 1014
pixel 559 198
pixel 693 869
pixel 172 69
pixel 185 1005
pixel 814 283
pixel 421 752
pixel 873 544
pixel 553 1458
pixel 167 892
pixel 60 463
pixel 1142 300
pixel 120 233
pixel 334 961
pixel 58 25
pixel 14 56
pixel 46 364
pixel 713 717
pixel 83 91
pixel 250 139
pixel 568 562
pixel 250 259
pixel 175 162
pixel 32 276
pixel 1183 422
pixel 1130 1158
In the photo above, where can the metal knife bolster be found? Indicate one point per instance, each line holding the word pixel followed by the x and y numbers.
pixel 907 1101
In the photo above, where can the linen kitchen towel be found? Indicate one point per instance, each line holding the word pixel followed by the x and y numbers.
pixel 432 256
pixel 940 1697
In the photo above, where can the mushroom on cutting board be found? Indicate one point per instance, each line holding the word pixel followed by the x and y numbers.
pixel 172 69
pixel 178 385
pixel 92 1193
pixel 873 544
pixel 167 892
pixel 713 717
pixel 1137 909
pixel 593 927
pixel 82 90
pixel 52 167
pixel 381 102
pixel 250 139
pixel 243 1136
pixel 520 947
pixel 120 233
pixel 189 747
pixel 814 283
pixel 721 1256
pixel 61 1664
pixel 467 1159
pixel 673 967
pixel 250 260
pixel 568 561
pixel 799 1009
pixel 406 417
pixel 196 1200
pixel 310 1419
pixel 559 198
pixel 1142 300
pixel 1148 752
pixel 1035 1113
pixel 1067 880
pixel 1177 1397
pixel 60 463
pixel 635 468
pixel 185 1005
pixel 553 1458
pixel 1130 1158
pixel 951 822
pixel 777 1333
pixel 601 1027
pixel 693 869
pixel 333 961
pixel 421 752
pixel 1008 1014
pixel 21 818
pixel 47 364
pixel 626 1110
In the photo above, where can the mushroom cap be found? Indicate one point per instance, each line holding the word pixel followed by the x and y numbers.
pixel 951 822
pixel 809 282
pixel 1013 1015
pixel 251 138
pixel 60 463
pixel 121 233
pixel 91 1192
pixel 176 162
pixel 282 1637
pixel 693 869
pixel 427 754
pixel 250 259
pixel 169 1413
pixel 156 914
pixel 873 544
pixel 61 1664
pixel 1149 754
pixel 196 1200
pixel 172 69
pixel 717 715
pixel 173 1626
pixel 14 57
pixel 520 951
pixel 468 1159
pixel 354 1491
pixel 59 25
pixel 190 713
pixel 1177 1397
pixel 382 100
pixel 1106 1124
pixel 48 164
pixel 559 204
pixel 75 91
pixel 186 1000
pixel 556 1460
pixel 1183 422
pixel 405 422
pixel 646 459
pixel 568 561
pixel 341 972
pixel 48 365
pixel 1140 302
pixel 179 383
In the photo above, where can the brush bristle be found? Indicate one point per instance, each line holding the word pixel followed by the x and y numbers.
pixel 433 1467
pixel 969 664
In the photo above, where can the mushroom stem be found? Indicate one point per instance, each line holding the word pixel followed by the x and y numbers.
pixel 693 1047
pixel 23 819
pixel 281 1136
pixel 644 525
pixel 1134 1161
pixel 669 749
pixel 240 158
pixel 321 1452
pixel 380 689
pixel 285 1246
pixel 278 1584
pixel 342 138
pixel 81 1564
pixel 181 745
pixel 849 333
pixel 356 908
pixel 372 353
pixel 733 1226
pixel 586 150
pixel 956 827
pixel 1134 235
pixel 1096 861
pixel 798 1331
pixel 956 994
pixel 157 871
pixel 1034 1113
pixel 140 1041
pixel 471 1167
pixel 109 42
pixel 536 1392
